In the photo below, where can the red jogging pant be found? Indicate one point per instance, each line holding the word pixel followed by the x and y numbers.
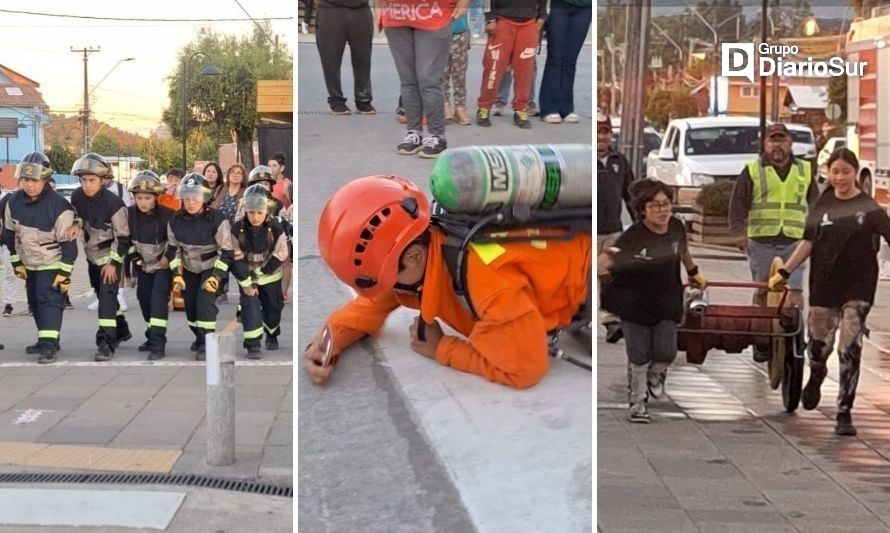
pixel 512 44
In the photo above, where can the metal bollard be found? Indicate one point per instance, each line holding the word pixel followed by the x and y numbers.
pixel 220 399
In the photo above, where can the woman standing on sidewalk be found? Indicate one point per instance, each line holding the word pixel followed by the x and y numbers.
pixel 841 241
pixel 227 203
pixel 566 28
pixel 419 37
pixel 646 290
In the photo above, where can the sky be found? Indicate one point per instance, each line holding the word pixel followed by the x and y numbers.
pixel 134 94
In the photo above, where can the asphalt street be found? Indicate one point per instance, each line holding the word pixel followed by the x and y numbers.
pixel 397 443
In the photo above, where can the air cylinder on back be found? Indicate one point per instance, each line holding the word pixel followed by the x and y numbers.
pixel 476 179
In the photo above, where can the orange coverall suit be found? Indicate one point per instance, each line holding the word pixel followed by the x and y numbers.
pixel 520 292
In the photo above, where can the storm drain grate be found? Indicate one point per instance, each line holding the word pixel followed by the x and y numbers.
pixel 190 480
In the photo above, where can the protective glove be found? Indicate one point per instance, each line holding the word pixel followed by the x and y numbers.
pixel 696 277
pixel 777 280
pixel 20 271
pixel 211 284
pixel 62 282
pixel 178 283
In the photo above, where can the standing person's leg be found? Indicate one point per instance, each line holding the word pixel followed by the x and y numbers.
pixel 190 300
pixel 159 311
pixel 760 258
pixel 852 328
pixel 495 60
pixel 272 304
pixel 449 73
pixel 330 39
pixel 360 31
pixel 639 356
pixel 459 74
pixel 664 351
pixel 31 294
pixel 822 324
pixel 795 282
pixel 401 46
pixel 144 289
pixel 49 309
pixel 579 20
pixel 106 335
pixel 522 60
pixel 552 95
pixel 205 311
pixel 431 56
pixel 252 324
pixel 532 107
pixel 9 281
pixel 500 101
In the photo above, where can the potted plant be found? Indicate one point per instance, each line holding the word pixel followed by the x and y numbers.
pixel 710 222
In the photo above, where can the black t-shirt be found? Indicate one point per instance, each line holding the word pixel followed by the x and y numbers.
pixel 843 263
pixel 645 286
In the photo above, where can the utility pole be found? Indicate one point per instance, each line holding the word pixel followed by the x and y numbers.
pixel 633 88
pixel 85 115
pixel 774 94
pixel 763 8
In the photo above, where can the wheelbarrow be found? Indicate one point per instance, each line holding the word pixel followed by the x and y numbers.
pixel 732 328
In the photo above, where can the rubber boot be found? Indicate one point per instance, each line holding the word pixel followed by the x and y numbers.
pixel 812 393
pixel 639 413
pixel 655 379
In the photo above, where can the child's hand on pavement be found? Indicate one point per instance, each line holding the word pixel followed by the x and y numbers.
pixel 433 334
pixel 312 364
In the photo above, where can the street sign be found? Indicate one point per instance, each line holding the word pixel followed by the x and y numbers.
pixel 9 128
pixel 833 112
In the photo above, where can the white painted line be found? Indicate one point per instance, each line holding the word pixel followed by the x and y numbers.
pixel 31 415
pixel 138 363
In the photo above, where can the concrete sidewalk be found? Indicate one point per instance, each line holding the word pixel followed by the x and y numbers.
pixel 722 455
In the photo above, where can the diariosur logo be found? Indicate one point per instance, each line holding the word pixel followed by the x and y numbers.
pixel 739 61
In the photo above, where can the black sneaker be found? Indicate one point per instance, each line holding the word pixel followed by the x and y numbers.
pixel 155 355
pixel 412 144
pixel 482 117
pixel 520 118
pixel 365 108
pixel 340 109
pixel 7 310
pixel 254 353
pixel 103 354
pixel 47 356
pixel 271 343
pixel 33 349
pixel 432 147
pixel 812 393
pixel 144 347
pixel 845 427
pixel 613 332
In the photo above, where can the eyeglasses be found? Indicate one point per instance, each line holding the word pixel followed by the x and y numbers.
pixel 658 206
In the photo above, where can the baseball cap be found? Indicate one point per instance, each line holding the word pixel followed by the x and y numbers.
pixel 603 121
pixel 777 129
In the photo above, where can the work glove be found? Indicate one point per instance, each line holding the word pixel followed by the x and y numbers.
pixel 20 271
pixel 777 280
pixel 178 283
pixel 697 278
pixel 211 284
pixel 62 282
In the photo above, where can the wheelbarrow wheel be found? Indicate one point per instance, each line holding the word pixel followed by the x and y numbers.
pixel 792 375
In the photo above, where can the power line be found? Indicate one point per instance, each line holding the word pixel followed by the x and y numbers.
pixel 131 19
pixel 262 30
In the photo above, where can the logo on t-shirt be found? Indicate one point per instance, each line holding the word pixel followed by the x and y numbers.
pixel 825 221
pixel 860 218
pixel 615 168
pixel 675 247
pixel 642 255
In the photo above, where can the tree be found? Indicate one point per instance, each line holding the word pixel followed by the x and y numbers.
pixel 60 158
pixel 666 104
pixel 104 145
pixel 223 107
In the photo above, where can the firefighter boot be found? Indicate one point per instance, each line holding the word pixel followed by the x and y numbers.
pixel 639 412
pixel 253 352
pixel 845 427
pixel 47 356
pixel 103 354
pixel 812 393
pixel 271 342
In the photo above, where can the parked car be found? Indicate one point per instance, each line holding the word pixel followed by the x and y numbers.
pixel 803 142
pixel 66 190
pixel 830 146
pixel 698 151
pixel 651 141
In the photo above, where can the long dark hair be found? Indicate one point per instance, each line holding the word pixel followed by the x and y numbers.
pixel 220 177
pixel 844 154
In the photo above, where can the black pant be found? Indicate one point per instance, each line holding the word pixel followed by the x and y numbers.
pixel 112 324
pixel 153 293
pixel 262 313
pixel 335 27
pixel 200 305
pixel 47 304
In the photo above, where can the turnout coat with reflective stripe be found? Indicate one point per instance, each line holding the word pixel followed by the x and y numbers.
pixel 199 242
pixel 35 230
pixel 106 231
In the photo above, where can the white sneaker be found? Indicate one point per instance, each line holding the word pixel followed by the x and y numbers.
pixel 553 118
pixel 122 302
pixel 497 110
pixel 572 118
pixel 94 305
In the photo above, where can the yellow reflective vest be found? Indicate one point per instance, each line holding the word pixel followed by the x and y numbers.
pixel 778 207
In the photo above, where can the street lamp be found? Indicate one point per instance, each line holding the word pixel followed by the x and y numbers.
pixel 109 73
pixel 208 70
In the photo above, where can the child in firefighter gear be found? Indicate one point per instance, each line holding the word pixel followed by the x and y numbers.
pixel 645 290
pixel 841 241
pixel 199 252
pixel 148 222
pixel 102 221
pixel 36 224
pixel 262 175
pixel 377 236
pixel 260 245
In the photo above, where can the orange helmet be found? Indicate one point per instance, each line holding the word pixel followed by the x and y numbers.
pixel 365 227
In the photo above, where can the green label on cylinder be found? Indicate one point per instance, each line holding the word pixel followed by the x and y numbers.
pixel 442 183
pixel 554 176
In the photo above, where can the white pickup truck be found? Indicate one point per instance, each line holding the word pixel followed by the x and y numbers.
pixel 698 151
